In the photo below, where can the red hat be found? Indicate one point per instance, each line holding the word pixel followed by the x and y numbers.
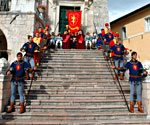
pixel 47 26
pixel 36 32
pixel 106 24
pixel 116 35
pixel 42 30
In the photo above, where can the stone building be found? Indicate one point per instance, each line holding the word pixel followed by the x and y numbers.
pixel 19 18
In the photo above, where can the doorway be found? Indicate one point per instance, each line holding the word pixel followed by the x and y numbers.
pixel 63 21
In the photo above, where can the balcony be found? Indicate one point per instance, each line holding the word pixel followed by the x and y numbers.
pixel 5 5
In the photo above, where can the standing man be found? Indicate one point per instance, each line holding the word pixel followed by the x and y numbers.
pixel 118 50
pixel 18 69
pixel 108 37
pixel 105 31
pixel 135 70
pixel 37 39
pixel 29 48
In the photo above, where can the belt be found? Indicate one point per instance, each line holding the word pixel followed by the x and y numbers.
pixel 18 78
pixel 135 76
pixel 117 55
pixel 29 54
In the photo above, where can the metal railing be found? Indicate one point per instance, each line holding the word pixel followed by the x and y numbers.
pixel 5 5
pixel 109 63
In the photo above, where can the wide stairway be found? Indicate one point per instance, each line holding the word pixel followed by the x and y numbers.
pixel 74 87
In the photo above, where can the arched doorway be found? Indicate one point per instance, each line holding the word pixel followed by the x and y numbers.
pixel 3 46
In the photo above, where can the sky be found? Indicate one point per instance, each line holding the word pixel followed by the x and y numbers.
pixel 118 8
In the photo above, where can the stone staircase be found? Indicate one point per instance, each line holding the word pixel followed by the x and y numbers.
pixel 74 87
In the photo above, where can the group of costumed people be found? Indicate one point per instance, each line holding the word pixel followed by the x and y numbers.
pixel 107 41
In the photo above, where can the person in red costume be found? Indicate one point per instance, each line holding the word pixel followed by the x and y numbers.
pixel 37 39
pixel 114 41
pixel 66 40
pixel 46 31
pixel 105 31
pixel 80 40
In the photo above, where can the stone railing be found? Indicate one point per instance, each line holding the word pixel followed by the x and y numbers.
pixel 5 90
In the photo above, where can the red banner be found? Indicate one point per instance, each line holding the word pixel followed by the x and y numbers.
pixel 74 20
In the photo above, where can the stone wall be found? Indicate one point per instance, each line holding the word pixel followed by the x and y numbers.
pixel 24 6
pixel 16 32
pixel 92 12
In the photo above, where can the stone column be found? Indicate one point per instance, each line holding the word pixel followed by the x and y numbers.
pixel 4 84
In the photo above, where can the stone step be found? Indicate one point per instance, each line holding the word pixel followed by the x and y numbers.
pixel 94 85
pixel 75 51
pixel 43 87
pixel 74 78
pixel 46 122
pixel 71 102
pixel 73 56
pixel 73 65
pixel 73 70
pixel 74 109
pixel 103 76
pixel 72 88
pixel 73 116
pixel 78 96
pixel 73 61
pixel 140 121
pixel 105 81
pixel 74 74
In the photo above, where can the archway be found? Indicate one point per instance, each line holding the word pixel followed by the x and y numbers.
pixel 3 46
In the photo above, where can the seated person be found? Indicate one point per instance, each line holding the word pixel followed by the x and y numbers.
pixel 94 39
pixel 53 40
pixel 80 40
pixel 73 41
pixel 59 40
pixel 66 40
pixel 88 40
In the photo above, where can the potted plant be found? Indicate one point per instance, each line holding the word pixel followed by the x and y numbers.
pixel 42 8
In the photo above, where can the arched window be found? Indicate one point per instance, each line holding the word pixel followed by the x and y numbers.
pixel 3 46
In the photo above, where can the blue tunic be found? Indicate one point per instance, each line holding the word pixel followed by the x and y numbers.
pixel 19 69
pixel 30 47
pixel 108 38
pixel 118 51
pixel 134 68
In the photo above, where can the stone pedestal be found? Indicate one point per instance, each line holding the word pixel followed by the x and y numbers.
pixel 5 90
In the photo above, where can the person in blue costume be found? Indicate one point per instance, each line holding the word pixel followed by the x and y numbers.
pixel 135 78
pixel 100 41
pixel 29 48
pixel 118 50
pixel 17 69
pixel 107 38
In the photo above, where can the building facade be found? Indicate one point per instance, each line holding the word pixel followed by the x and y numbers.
pixel 19 18
pixel 134 29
